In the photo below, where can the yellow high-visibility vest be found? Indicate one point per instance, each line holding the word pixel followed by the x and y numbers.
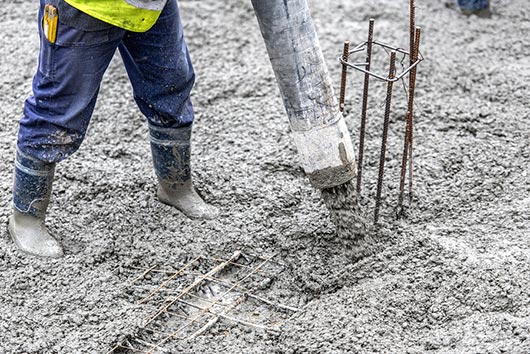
pixel 132 15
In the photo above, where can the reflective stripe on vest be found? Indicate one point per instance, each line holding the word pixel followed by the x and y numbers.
pixel 148 4
pixel 132 15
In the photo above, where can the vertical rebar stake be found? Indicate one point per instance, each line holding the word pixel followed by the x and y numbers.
pixel 411 108
pixel 408 119
pixel 404 164
pixel 385 134
pixel 345 57
pixel 364 105
pixel 407 150
pixel 412 27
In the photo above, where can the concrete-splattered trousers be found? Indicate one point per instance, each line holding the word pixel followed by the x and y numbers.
pixel 67 82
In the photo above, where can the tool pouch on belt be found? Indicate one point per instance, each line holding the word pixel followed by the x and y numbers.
pixel 56 11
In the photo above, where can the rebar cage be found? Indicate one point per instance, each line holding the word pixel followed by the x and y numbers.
pixel 415 57
pixel 361 66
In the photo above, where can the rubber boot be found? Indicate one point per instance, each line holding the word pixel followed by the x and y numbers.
pixel 31 196
pixel 171 149
pixel 480 8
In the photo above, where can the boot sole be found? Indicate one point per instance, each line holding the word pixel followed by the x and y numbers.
pixel 161 198
pixel 19 246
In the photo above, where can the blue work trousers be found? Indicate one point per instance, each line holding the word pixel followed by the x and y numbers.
pixel 66 85
pixel 473 5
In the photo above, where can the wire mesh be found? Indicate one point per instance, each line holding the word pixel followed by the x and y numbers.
pixel 186 302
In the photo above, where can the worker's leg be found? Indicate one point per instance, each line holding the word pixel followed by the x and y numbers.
pixel 160 69
pixel 55 120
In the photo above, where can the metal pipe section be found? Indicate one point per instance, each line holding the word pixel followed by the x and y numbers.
pixel 318 128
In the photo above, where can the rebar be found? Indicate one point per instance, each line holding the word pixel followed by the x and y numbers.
pixel 217 298
pixel 225 284
pixel 231 263
pixel 403 164
pixel 255 297
pixel 410 114
pixel 113 349
pixel 205 300
pixel 409 132
pixel 412 26
pixel 214 320
pixel 146 271
pixel 183 293
pixel 230 318
pixel 210 309
pixel 345 56
pixel 415 57
pixel 177 273
pixel 182 317
pixel 385 134
pixel 364 104
pixel 121 346
pixel 361 66
pixel 170 292
pixel 160 332
pixel 150 345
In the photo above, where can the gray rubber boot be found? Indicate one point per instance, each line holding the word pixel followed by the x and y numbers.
pixel 31 196
pixel 171 149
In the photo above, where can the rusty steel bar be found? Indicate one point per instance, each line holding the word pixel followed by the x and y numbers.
pixel 222 283
pixel 411 104
pixel 184 292
pixel 408 120
pixel 385 135
pixel 214 320
pixel 407 150
pixel 404 164
pixel 230 318
pixel 360 66
pixel 217 298
pixel 252 296
pixel 164 284
pixel 412 26
pixel 364 105
pixel 144 273
pixel 345 56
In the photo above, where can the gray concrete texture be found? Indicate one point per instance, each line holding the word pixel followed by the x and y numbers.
pixel 453 277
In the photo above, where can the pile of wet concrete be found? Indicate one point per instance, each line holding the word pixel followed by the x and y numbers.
pixel 451 278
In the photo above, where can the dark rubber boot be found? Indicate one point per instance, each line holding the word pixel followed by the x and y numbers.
pixel 31 196
pixel 171 149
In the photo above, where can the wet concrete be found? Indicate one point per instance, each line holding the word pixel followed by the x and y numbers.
pixel 451 278
pixel 345 212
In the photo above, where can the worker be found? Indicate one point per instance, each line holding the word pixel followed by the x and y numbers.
pixel 78 39
pixel 478 7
